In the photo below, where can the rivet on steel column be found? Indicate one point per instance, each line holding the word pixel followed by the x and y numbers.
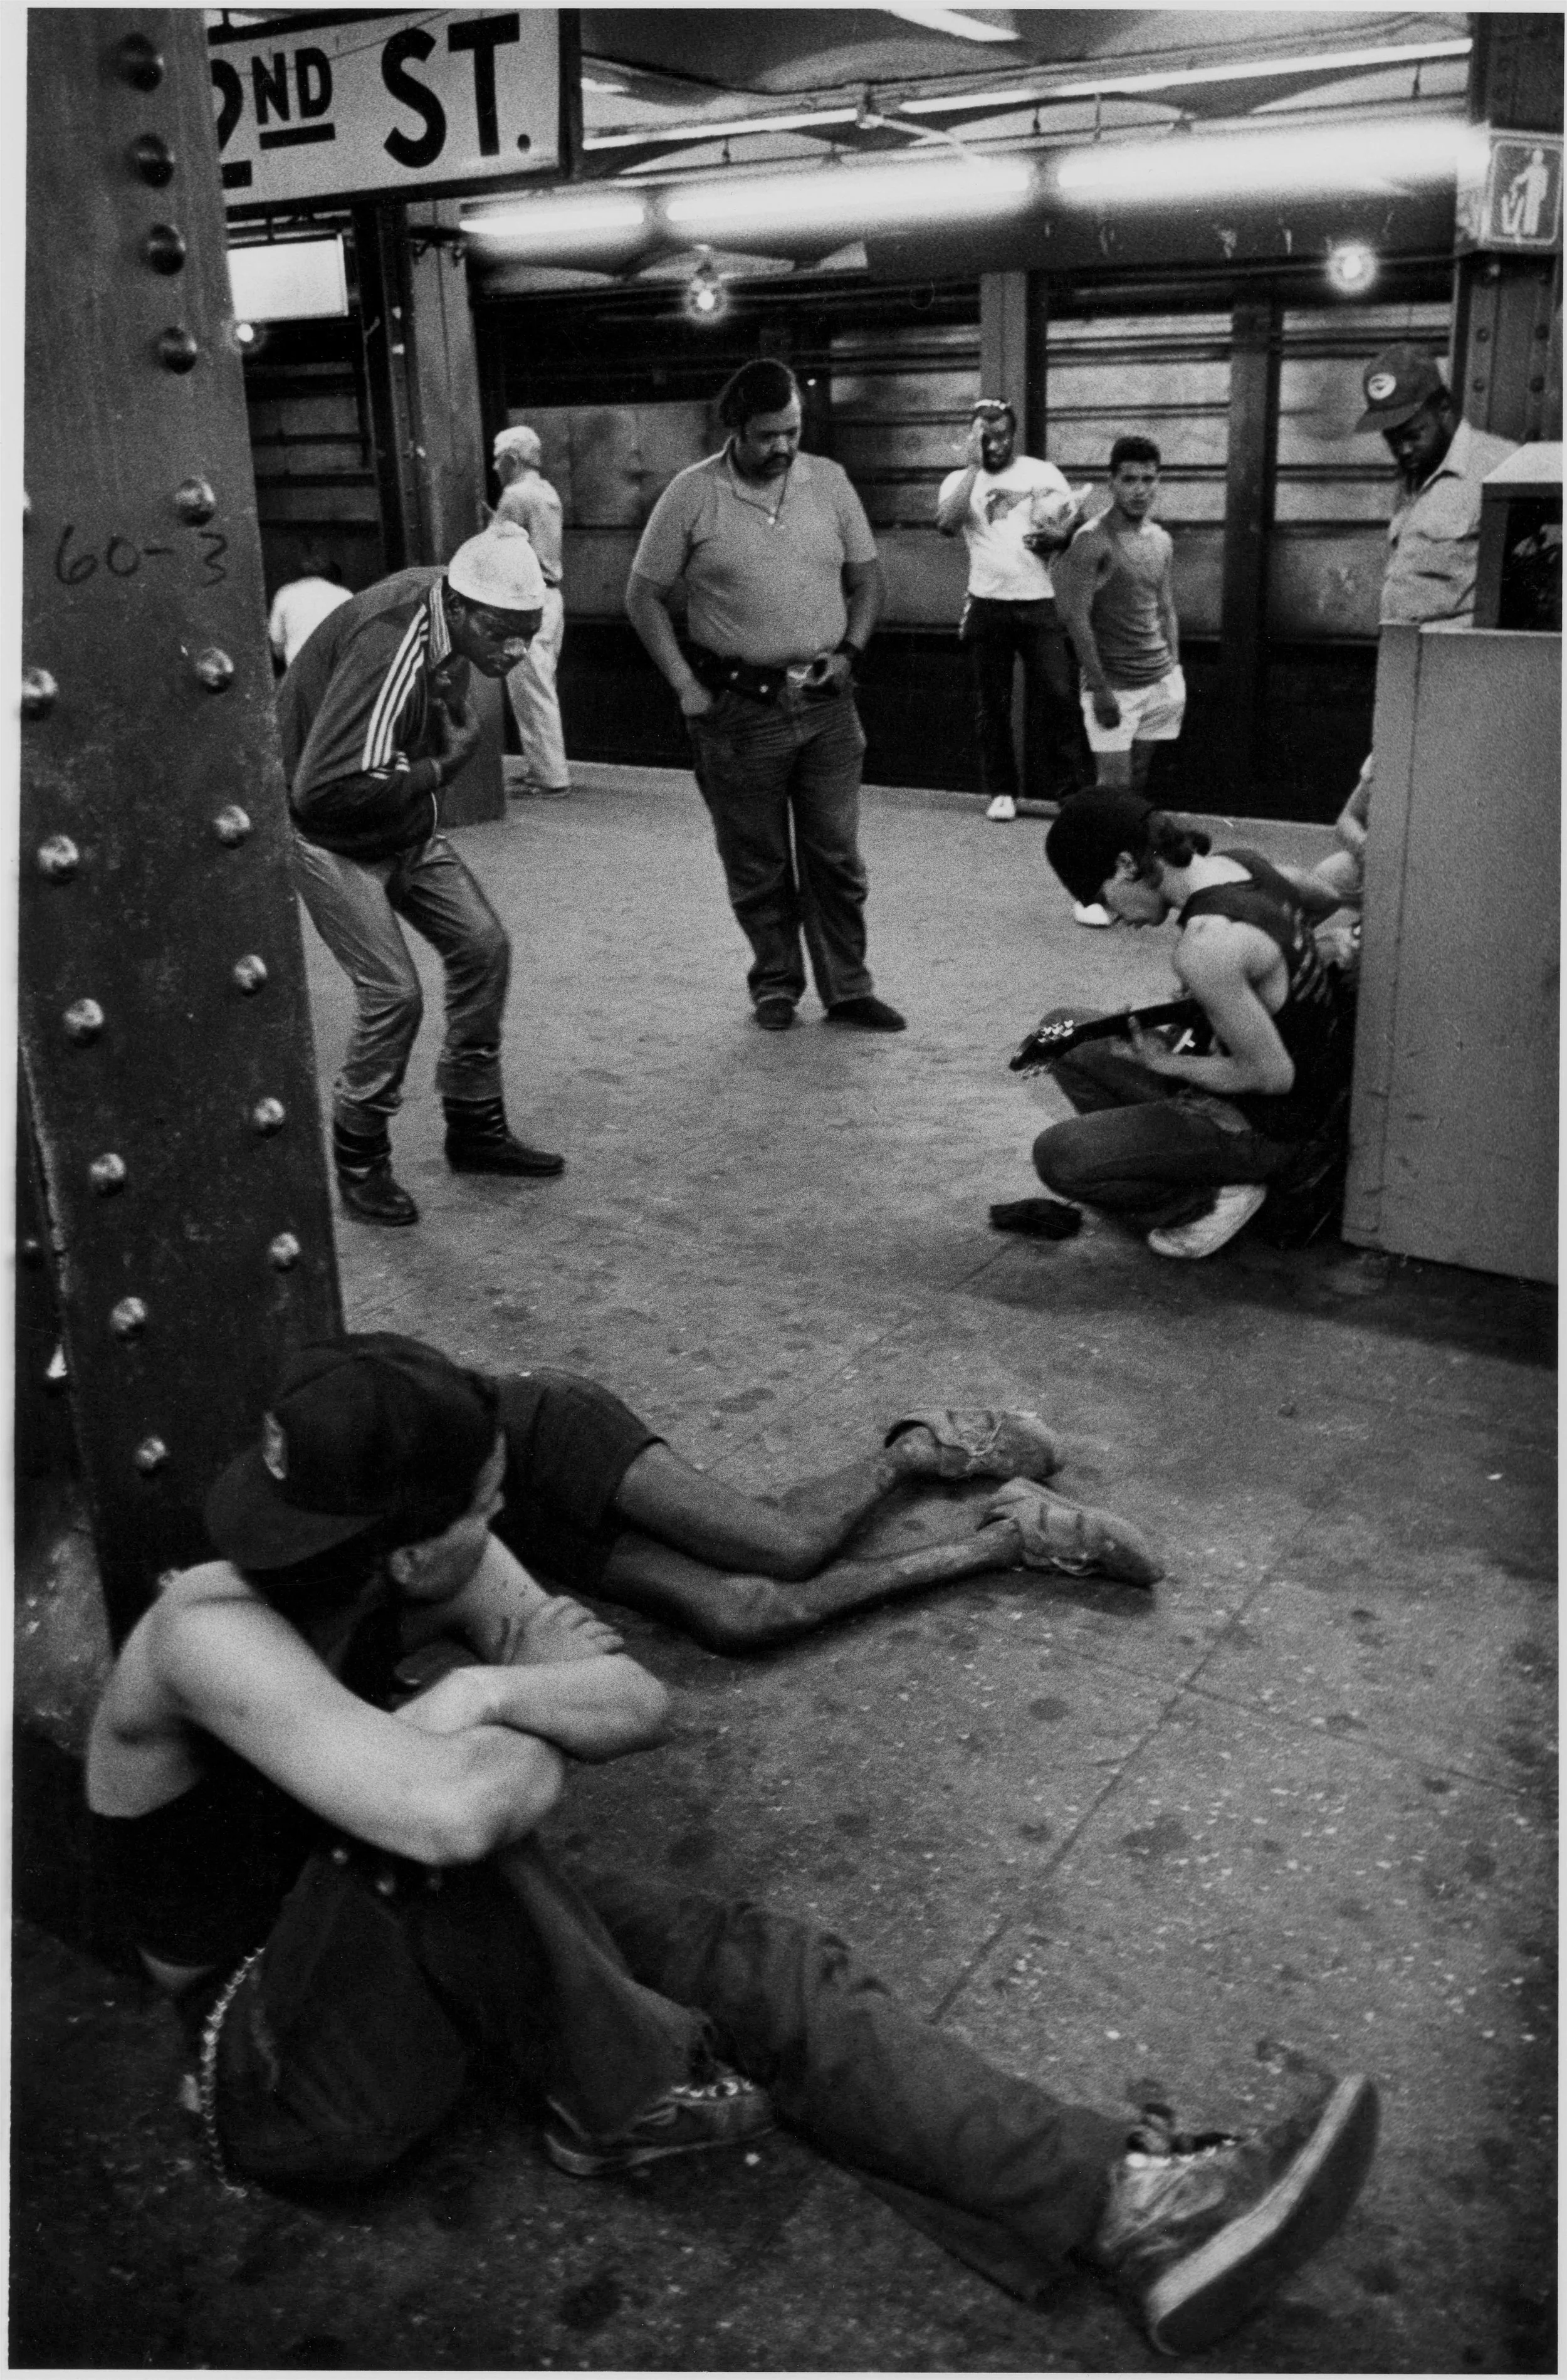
pixel 83 1021
pixel 251 974
pixel 107 1173
pixel 40 692
pixel 267 1117
pixel 195 502
pixel 282 1253
pixel 178 349
pixel 128 1318
pixel 150 1455
pixel 232 825
pixel 59 859
pixel 141 62
pixel 214 670
pixel 163 249
pixel 152 159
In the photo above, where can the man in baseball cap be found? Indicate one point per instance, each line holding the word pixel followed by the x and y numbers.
pixel 529 500
pixel 374 720
pixel 1434 534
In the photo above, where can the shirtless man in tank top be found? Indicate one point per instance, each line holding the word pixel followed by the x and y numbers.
pixel 1114 587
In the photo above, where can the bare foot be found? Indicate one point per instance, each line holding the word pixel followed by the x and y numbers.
pixel 563 1630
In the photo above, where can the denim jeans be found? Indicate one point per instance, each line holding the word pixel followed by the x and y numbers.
pixel 355 905
pixel 995 632
pixel 781 780
pixel 355 2033
pixel 1142 1147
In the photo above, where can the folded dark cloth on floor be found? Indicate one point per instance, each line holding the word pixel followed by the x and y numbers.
pixel 1038 1219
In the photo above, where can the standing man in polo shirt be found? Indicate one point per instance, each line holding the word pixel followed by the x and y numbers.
pixel 1012 511
pixel 528 498
pixel 374 720
pixel 1434 535
pixel 783 590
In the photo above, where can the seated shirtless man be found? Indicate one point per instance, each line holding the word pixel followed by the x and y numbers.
pixel 1181 1145
pixel 343 1891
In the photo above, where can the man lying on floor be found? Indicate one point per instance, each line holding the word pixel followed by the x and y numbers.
pixel 347 1901
pixel 593 1500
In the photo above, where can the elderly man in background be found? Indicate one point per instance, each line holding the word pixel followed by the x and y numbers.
pixel 785 589
pixel 528 498
pixel 1434 535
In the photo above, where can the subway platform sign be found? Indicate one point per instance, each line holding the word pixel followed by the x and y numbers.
pixel 1510 193
pixel 347 105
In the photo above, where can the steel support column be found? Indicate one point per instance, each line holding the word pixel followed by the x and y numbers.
pixel 1248 518
pixel 1507 309
pixel 165 1035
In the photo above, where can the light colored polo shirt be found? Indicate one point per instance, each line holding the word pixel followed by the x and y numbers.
pixel 1434 534
pixel 762 562
pixel 297 611
pixel 534 505
pixel 999 517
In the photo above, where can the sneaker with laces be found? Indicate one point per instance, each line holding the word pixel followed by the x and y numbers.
pixel 1199 2230
pixel 1057 1533
pixel 720 2113
pixel 1232 1208
pixel 1003 807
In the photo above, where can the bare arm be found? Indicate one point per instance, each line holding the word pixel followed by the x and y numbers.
pixel 227 1663
pixel 1211 960
pixel 864 592
pixel 1077 577
pixel 952 509
pixel 647 608
pixel 1167 609
pixel 595 1709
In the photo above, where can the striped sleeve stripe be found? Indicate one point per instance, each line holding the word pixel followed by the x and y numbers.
pixel 381 736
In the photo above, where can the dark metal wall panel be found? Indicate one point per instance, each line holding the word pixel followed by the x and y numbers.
pixel 165 1035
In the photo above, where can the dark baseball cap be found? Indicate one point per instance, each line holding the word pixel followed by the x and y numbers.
pixel 369 1428
pixel 1397 384
pixel 1089 835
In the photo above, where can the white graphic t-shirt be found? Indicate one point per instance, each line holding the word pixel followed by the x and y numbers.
pixel 1000 517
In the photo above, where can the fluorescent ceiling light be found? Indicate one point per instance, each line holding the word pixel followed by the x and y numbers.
pixel 951 20
pixel 1350 157
pixel 1407 54
pixel 721 127
pixel 858 197
pixel 538 226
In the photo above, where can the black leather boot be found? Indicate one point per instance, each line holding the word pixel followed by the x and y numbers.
pixel 363 1162
pixel 479 1141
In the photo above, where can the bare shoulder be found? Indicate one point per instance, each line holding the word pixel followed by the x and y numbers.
pixel 1215 951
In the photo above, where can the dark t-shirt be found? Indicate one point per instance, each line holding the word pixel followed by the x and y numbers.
pixel 1315 1023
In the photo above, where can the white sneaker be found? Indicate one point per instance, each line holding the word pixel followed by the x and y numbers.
pixel 1233 1207
pixel 1091 913
pixel 1003 807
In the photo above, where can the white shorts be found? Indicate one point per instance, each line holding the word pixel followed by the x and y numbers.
pixel 1150 714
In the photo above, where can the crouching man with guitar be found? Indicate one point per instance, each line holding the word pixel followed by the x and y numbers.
pixel 1187 1114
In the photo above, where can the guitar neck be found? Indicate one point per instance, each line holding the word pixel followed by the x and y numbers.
pixel 1115 1028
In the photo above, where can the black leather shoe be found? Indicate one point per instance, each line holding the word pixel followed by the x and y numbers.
pixel 479 1141
pixel 775 1014
pixel 375 1197
pixel 872 1015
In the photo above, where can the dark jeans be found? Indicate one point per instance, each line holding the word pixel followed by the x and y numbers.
pixel 1059 759
pixel 353 2037
pixel 781 780
pixel 1144 1148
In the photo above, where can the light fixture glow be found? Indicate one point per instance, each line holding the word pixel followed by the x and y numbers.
pixel 245 335
pixel 544 225
pixel 858 197
pixel 1352 267
pixel 956 21
pixel 1349 157
pixel 723 128
pixel 705 294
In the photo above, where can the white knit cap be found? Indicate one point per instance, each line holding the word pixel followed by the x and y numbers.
pixel 519 440
pixel 498 567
